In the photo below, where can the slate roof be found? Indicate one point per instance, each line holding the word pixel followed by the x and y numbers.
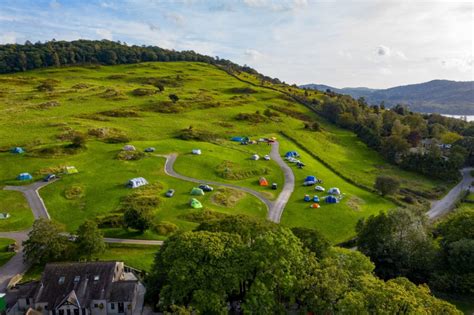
pixel 79 284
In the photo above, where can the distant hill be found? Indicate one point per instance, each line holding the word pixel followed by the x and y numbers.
pixel 440 96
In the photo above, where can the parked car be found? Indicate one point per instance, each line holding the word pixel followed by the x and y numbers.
pixel 266 157
pixel 274 186
pixel 49 177
pixel 150 149
pixel 319 188
pixel 170 193
pixel 309 183
pixel 206 187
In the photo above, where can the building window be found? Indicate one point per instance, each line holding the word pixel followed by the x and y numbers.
pixel 68 311
pixel 96 305
pixel 27 301
pixel 53 312
pixel 61 312
pixel 76 311
pixel 96 278
pixel 84 312
pixel 77 278
pixel 61 280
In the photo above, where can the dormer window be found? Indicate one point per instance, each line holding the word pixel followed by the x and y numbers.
pixel 96 278
pixel 61 279
pixel 77 279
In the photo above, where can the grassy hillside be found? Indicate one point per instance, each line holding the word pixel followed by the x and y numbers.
pixel 42 110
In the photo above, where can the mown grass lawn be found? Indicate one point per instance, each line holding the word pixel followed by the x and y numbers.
pixel 5 255
pixel 14 203
pixel 137 256
pixel 335 221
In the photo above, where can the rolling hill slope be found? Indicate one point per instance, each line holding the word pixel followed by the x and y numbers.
pixel 43 109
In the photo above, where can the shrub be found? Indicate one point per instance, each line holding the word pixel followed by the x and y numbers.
pixel 120 113
pixel 47 105
pixel 252 117
pixel 114 94
pixel 387 185
pixel 230 170
pixel 130 155
pixel 227 197
pixel 143 198
pixel 47 85
pixel 242 90
pixel 165 228
pixel 144 92
pixel 80 86
pixel 74 192
pixel 203 216
pixel 114 220
pixel 196 134
pixel 138 219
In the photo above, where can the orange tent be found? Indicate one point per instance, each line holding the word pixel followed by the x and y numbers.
pixel 315 205
pixel 262 181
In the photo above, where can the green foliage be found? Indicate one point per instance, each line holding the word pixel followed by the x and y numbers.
pixel 130 155
pixel 312 240
pixel 89 243
pixel 144 92
pixel 203 216
pixel 197 135
pixel 74 192
pixel 165 228
pixel 45 243
pixel 233 171
pixel 173 97
pixel 138 219
pixel 252 117
pixel 387 185
pixel 399 244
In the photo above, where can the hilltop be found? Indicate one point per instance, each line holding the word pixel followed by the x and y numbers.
pixel 437 96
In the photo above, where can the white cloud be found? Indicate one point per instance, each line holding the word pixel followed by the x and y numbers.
pixel 460 64
pixel 252 54
pixel 282 5
pixel 383 51
pixel 176 18
pixel 104 33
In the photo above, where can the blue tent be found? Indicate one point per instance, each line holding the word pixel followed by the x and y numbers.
pixel 315 199
pixel 293 154
pixel 24 176
pixel 331 199
pixel 239 139
pixel 307 198
pixel 310 178
pixel 17 150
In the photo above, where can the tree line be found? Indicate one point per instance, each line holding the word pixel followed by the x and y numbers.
pixel 430 144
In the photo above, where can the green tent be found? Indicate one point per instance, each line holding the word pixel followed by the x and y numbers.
pixel 195 204
pixel 197 192
pixel 70 170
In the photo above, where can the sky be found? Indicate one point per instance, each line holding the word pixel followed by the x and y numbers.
pixel 377 44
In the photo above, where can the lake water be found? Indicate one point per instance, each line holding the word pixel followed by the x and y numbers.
pixel 469 118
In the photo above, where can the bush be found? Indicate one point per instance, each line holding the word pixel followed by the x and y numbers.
pixel 253 118
pixel 230 170
pixel 144 92
pixel 203 216
pixel 109 135
pixel 138 219
pixel 143 198
pixel 165 228
pixel 74 192
pixel 130 155
pixel 47 85
pixel 196 134
pixel 114 220
pixel 242 90
pixel 387 185
pixel 120 113
pixel 227 197
pixel 47 105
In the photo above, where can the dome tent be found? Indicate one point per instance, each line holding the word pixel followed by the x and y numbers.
pixel 24 176
pixel 331 199
pixel 17 150
pixel 197 191
pixel 195 204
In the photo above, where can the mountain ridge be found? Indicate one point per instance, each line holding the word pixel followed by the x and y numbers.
pixel 441 96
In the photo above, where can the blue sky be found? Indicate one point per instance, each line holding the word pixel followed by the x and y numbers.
pixel 340 43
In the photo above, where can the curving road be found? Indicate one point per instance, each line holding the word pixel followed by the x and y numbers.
pixel 16 264
pixel 447 203
pixel 275 208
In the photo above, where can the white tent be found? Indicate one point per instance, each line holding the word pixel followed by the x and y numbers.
pixel 137 182
pixel 129 147
pixel 334 191
pixel 255 157
pixel 196 151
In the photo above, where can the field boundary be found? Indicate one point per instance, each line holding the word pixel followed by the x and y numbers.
pixel 330 167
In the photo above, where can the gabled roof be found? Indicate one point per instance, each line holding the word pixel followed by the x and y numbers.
pixel 70 299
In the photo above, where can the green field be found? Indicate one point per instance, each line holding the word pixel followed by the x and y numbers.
pixel 102 102
pixel 14 203
pixel 136 256
pixel 5 255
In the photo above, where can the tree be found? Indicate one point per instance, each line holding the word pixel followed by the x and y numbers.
pixel 45 243
pixel 138 218
pixel 450 137
pixel 399 244
pixel 173 97
pixel 312 240
pixel 387 185
pixel 78 140
pixel 90 241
